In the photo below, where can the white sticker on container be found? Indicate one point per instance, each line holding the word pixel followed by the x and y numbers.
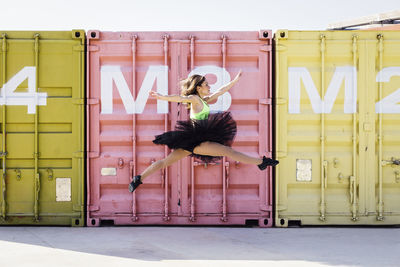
pixel 303 170
pixel 63 189
pixel 108 171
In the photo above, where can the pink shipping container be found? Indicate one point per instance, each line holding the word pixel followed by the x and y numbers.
pixel 122 122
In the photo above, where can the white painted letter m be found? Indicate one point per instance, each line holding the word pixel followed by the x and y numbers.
pixel 346 73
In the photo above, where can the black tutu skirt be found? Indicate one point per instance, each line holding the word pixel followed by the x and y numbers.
pixel 219 128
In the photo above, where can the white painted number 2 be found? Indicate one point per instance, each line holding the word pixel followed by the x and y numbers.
pixel 30 99
pixel 389 104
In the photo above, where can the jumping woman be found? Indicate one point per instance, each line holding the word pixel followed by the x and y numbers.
pixel 205 136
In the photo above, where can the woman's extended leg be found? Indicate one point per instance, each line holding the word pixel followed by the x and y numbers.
pixel 174 156
pixel 216 149
pixel 171 158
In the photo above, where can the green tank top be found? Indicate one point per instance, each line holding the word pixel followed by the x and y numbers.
pixel 202 115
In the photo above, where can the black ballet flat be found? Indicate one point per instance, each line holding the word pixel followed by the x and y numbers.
pixel 267 162
pixel 135 183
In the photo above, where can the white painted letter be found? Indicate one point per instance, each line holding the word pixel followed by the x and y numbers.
pixel 389 104
pixel 31 98
pixel 110 74
pixel 224 101
pixel 346 73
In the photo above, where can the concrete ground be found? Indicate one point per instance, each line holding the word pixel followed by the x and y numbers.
pixel 198 246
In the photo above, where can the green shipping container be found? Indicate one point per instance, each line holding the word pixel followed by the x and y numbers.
pixel 42 128
pixel 337 127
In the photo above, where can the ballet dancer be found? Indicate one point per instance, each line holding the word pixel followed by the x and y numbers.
pixel 205 136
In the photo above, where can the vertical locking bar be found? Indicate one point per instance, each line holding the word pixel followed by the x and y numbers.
pixel 225 174
pixel 191 52
pixel 179 171
pixel 353 178
pixel 322 137
pixel 4 151
pixel 37 176
pixel 224 218
pixel 192 207
pixel 380 201
pixel 278 130
pixel 224 202
pixel 166 202
pixel 133 162
pixel 223 49
pixel 88 182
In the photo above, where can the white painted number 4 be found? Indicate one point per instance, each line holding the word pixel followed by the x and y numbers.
pixel 30 99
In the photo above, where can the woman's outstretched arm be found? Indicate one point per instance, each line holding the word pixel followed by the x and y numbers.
pixel 224 88
pixel 174 98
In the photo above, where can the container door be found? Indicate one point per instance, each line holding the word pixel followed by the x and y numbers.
pixel 338 159
pixel 317 125
pixel 123 120
pixel 227 191
pixel 384 47
pixel 42 131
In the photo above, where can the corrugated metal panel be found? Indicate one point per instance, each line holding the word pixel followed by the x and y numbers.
pixel 337 134
pixel 119 140
pixel 42 128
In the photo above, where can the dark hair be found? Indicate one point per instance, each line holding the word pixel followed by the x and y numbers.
pixel 189 85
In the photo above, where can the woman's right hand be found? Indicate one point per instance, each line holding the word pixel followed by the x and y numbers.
pixel 238 75
pixel 155 94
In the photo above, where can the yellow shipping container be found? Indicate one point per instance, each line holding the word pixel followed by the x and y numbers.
pixel 337 131
pixel 42 128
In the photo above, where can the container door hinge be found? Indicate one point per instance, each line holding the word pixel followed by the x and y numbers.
pixel 265 101
pixel 93 154
pixel 265 208
pixel 93 48
pixel 77 208
pixel 266 48
pixel 281 207
pixel 281 154
pixel 280 48
pixel 93 101
pixel 268 154
pixel 281 101
pixel 79 48
pixel 78 154
pixel 94 208
pixel 78 101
